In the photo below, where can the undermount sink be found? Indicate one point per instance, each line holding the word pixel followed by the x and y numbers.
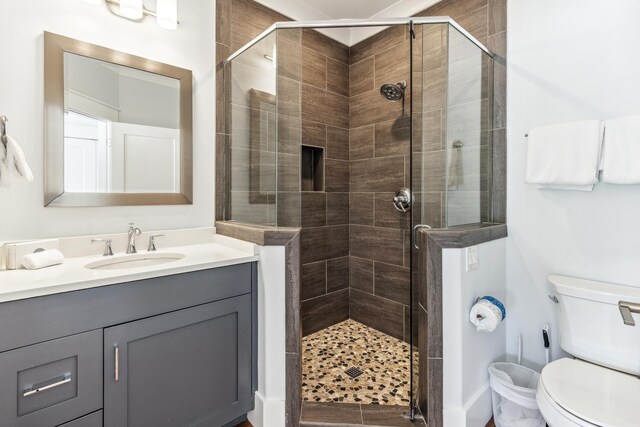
pixel 134 261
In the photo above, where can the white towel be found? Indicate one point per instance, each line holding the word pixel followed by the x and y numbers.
pixel 16 161
pixel 565 156
pixel 621 163
pixel 5 177
pixel 42 259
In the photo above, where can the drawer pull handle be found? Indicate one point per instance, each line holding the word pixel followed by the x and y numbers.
pixel 32 391
pixel 117 367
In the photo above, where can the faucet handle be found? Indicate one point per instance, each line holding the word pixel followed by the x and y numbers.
pixel 152 242
pixel 107 246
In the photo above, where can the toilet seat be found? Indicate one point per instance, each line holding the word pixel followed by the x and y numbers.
pixel 576 393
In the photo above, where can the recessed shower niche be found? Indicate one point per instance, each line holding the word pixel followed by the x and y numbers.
pixel 312 168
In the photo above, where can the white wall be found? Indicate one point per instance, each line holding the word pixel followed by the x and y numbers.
pixel 191 46
pixel 467 353
pixel 568 60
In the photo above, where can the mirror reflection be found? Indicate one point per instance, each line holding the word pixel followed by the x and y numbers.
pixel 121 128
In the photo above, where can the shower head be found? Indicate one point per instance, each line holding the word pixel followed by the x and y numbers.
pixel 393 92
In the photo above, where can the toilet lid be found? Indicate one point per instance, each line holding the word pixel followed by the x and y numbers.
pixel 593 393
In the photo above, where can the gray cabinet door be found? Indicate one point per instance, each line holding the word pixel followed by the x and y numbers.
pixel 187 368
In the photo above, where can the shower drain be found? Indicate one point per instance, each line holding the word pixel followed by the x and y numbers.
pixel 353 372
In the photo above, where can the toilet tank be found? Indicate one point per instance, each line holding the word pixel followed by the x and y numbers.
pixel 590 324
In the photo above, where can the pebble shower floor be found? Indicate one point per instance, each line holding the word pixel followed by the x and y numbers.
pixel 328 353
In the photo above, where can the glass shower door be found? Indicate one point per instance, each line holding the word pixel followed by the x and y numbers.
pixel 451 159
pixel 428 182
pixel 429 78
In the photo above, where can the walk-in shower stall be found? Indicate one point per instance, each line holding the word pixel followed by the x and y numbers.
pixel 361 146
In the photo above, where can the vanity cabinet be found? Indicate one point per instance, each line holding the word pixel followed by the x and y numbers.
pixel 170 351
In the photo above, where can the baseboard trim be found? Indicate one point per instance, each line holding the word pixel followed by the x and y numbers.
pixel 476 412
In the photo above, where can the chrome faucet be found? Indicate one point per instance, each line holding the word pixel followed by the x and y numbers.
pixel 133 232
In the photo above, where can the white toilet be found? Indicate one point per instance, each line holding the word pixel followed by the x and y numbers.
pixel 600 387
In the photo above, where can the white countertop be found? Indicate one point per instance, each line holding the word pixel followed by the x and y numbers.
pixel 72 275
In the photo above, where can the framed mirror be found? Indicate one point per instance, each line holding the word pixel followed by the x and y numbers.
pixel 118 128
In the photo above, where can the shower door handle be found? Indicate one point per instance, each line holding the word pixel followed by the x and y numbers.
pixel 415 229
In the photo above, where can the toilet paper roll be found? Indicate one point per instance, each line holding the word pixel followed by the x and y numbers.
pixel 487 313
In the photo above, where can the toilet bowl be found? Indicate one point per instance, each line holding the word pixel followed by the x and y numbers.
pixel 577 393
pixel 601 386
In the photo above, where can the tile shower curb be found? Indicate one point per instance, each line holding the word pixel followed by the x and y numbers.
pixel 430 399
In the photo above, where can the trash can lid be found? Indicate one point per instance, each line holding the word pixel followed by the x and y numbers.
pixel 593 393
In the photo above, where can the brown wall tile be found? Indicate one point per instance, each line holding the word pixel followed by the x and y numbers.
pixel 321 243
pixel 314 68
pixel 361 274
pixel 375 243
pixel 337 77
pixel 370 107
pixel 386 215
pixel 379 175
pixel 361 142
pixel 361 76
pixel 497 16
pixel 223 22
pixel 336 176
pixel 313 280
pixel 392 282
pixel 314 207
pixel 393 137
pixel 377 43
pixel 392 65
pixel 289 93
pixel 475 22
pixel 324 311
pixel 325 46
pixel 314 134
pixel 324 107
pixel 337 208
pixel 361 208
pixel 337 274
pixel 249 19
pixel 379 313
pixel 337 143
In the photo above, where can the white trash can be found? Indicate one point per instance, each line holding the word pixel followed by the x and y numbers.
pixel 513 392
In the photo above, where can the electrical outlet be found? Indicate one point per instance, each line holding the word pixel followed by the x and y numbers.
pixel 472 258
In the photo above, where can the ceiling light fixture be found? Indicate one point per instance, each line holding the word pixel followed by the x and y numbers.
pixel 134 10
pixel 168 14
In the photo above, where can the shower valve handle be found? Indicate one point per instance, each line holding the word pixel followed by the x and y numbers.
pixel 402 200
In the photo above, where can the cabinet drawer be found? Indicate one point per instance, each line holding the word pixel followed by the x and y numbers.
pixel 91 420
pixel 48 384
